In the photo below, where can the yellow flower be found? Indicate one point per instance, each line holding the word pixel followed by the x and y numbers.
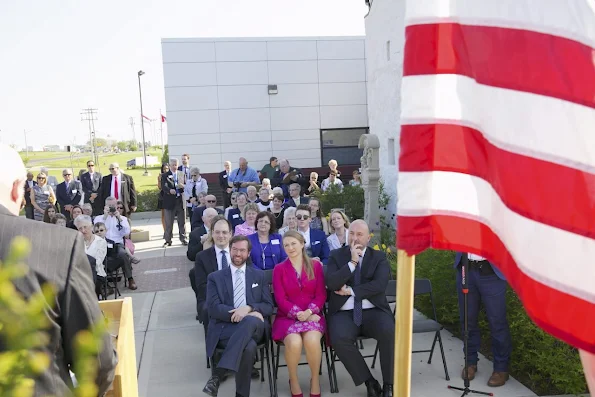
pixel 388 250
pixel 376 247
pixel 383 246
pixel 371 234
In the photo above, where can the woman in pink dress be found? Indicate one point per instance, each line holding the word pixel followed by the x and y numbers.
pixel 300 293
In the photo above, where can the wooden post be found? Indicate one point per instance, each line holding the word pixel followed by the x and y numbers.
pixel 404 323
pixel 588 361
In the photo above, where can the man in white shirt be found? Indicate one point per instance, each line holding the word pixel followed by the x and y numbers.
pixel 358 275
pixel 185 168
pixel 117 227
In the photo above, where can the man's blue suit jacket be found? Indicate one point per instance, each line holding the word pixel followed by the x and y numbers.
pixel 319 245
pixel 496 270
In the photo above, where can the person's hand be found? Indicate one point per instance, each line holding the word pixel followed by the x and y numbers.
pixel 245 184
pixel 192 200
pixel 294 178
pixel 68 207
pixel 133 209
pixel 203 238
pixel 118 215
pixel 257 315
pixel 356 251
pixel 106 210
pixel 303 315
pixel 229 190
pixel 172 191
pixel 344 291
pixel 314 317
pixel 238 314
pixel 93 197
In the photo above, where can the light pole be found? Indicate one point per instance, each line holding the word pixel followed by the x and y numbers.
pixel 142 125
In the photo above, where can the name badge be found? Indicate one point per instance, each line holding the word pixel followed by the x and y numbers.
pixel 236 216
pixel 275 242
pixel 110 245
pixel 316 242
pixel 225 176
pixel 74 191
pixel 46 192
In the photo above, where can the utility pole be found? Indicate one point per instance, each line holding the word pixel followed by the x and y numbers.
pixel 26 145
pixel 131 122
pixel 161 130
pixel 90 115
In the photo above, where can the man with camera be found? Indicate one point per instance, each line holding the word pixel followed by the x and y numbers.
pixel 117 227
pixel 244 176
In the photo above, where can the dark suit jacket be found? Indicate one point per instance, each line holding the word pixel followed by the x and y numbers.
pixel 205 264
pixel 194 244
pixel 28 193
pixel 220 300
pixel 167 183
pixel 196 217
pixel 128 196
pixel 375 273
pixel 277 179
pixel 319 245
pixel 65 195
pixel 459 256
pixel 90 186
pixel 223 181
pixel 58 256
pixel 290 203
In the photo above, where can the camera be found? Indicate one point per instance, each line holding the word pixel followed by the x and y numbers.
pixel 112 210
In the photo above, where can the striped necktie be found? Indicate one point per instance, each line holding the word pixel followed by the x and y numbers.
pixel 357 302
pixel 238 289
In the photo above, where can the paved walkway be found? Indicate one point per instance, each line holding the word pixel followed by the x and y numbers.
pixel 170 342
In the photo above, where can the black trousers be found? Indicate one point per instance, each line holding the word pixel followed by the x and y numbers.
pixel 376 324
pixel 120 260
pixel 239 341
pixel 29 212
pixel 179 212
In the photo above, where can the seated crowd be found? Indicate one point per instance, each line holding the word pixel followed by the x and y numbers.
pixel 287 233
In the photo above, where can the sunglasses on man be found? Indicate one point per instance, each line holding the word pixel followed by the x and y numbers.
pixel 304 217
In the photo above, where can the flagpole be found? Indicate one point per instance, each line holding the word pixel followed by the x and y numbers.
pixel 404 324
pixel 161 125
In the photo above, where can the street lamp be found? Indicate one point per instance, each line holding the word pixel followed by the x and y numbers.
pixel 142 125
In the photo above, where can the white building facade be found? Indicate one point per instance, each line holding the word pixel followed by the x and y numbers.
pixel 304 99
pixel 384 63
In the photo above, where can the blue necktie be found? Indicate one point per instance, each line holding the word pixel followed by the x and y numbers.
pixel 357 302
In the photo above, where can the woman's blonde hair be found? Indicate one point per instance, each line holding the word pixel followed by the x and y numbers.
pixel 307 260
pixel 43 175
pixel 345 218
pixel 250 207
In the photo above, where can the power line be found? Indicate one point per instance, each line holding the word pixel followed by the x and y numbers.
pixel 90 115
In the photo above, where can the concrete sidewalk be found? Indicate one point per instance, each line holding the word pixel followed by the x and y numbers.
pixel 170 342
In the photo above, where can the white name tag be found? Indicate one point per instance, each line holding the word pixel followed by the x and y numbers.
pixel 74 191
pixel 275 242
pixel 316 242
pixel 110 245
pixel 47 193
pixel 236 216
pixel 225 176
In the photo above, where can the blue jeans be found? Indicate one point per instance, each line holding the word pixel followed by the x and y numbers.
pixel 490 290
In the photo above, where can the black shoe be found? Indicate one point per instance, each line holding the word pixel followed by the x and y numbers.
pixel 373 387
pixel 166 244
pixel 255 373
pixel 197 317
pixel 184 243
pixel 212 386
pixel 387 390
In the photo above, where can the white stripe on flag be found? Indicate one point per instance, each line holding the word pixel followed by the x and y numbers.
pixel 554 257
pixel 516 121
pixel 572 19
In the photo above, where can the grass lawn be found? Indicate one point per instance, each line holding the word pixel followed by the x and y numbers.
pixel 79 161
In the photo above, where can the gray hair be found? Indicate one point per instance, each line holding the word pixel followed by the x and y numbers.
pixel 277 190
pixel 44 170
pixel 295 185
pixel 87 205
pixel 82 220
pixel 67 170
pixel 110 198
pixel 264 189
pixel 283 161
pixel 194 170
pixel 288 212
pixel 174 160
pixel 251 188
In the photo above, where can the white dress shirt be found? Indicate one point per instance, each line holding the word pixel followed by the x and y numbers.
pixel 473 257
pixel 306 236
pixel 113 187
pixel 98 250
pixel 234 270
pixel 366 304
pixel 111 224
pixel 218 254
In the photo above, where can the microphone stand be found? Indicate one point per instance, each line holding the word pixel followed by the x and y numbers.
pixel 465 288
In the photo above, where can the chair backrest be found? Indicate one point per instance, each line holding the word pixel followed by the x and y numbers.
pixel 422 286
pixel 391 288
pixel 268 280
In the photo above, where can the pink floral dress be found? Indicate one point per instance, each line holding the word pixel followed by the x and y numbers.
pixel 295 293
pixel 244 230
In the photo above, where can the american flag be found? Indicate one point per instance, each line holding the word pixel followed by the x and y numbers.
pixel 498 147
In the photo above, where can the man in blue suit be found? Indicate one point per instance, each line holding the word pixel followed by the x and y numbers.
pixel 486 284
pixel 238 300
pixel 316 244
pixel 68 193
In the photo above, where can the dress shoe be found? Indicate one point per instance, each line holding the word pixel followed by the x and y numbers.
pixel 311 394
pixel 498 379
pixel 134 260
pixel 255 373
pixel 212 386
pixel 131 284
pixel 472 371
pixel 166 244
pixel 387 390
pixel 294 395
pixel 184 243
pixel 373 387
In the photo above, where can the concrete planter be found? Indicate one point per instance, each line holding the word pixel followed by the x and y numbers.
pixel 139 236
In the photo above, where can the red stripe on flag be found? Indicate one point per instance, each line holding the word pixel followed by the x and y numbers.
pixel 515 59
pixel 536 189
pixel 554 311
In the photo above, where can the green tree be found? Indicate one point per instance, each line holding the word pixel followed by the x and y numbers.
pixel 100 142
pixel 122 145
pixel 165 157
pixel 133 145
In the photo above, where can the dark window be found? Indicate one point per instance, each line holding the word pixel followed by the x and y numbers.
pixel 341 145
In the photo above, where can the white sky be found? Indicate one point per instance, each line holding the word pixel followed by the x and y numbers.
pixel 58 59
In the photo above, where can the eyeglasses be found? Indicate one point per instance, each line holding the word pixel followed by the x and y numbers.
pixel 66 174
pixel 264 222
pixel 304 217
pixel 40 178
pixel 91 165
pixel 193 175
pixel 211 201
pixel 99 230
pixel 111 169
pixel 120 208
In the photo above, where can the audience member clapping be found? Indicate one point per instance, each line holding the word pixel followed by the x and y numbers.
pixel 267 249
pixel 49 213
pixel 249 225
pixel 338 227
pixel 332 165
pixel 289 221
pixel 313 186
pixel 319 221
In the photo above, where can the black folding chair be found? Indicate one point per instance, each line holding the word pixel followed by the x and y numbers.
pixel 391 297
pixel 113 264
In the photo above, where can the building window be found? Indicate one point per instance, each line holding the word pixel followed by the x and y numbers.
pixel 341 145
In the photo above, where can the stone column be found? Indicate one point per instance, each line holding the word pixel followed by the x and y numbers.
pixel 370 180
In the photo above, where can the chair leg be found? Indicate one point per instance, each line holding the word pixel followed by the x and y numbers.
pixel 361 344
pixel 276 370
pixel 334 370
pixel 208 363
pixel 272 381
pixel 375 355
pixel 432 349
pixel 328 366
pixel 443 357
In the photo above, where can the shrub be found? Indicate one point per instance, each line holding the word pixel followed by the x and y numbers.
pixel 147 200
pixel 351 199
pixel 165 157
pixel 542 363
